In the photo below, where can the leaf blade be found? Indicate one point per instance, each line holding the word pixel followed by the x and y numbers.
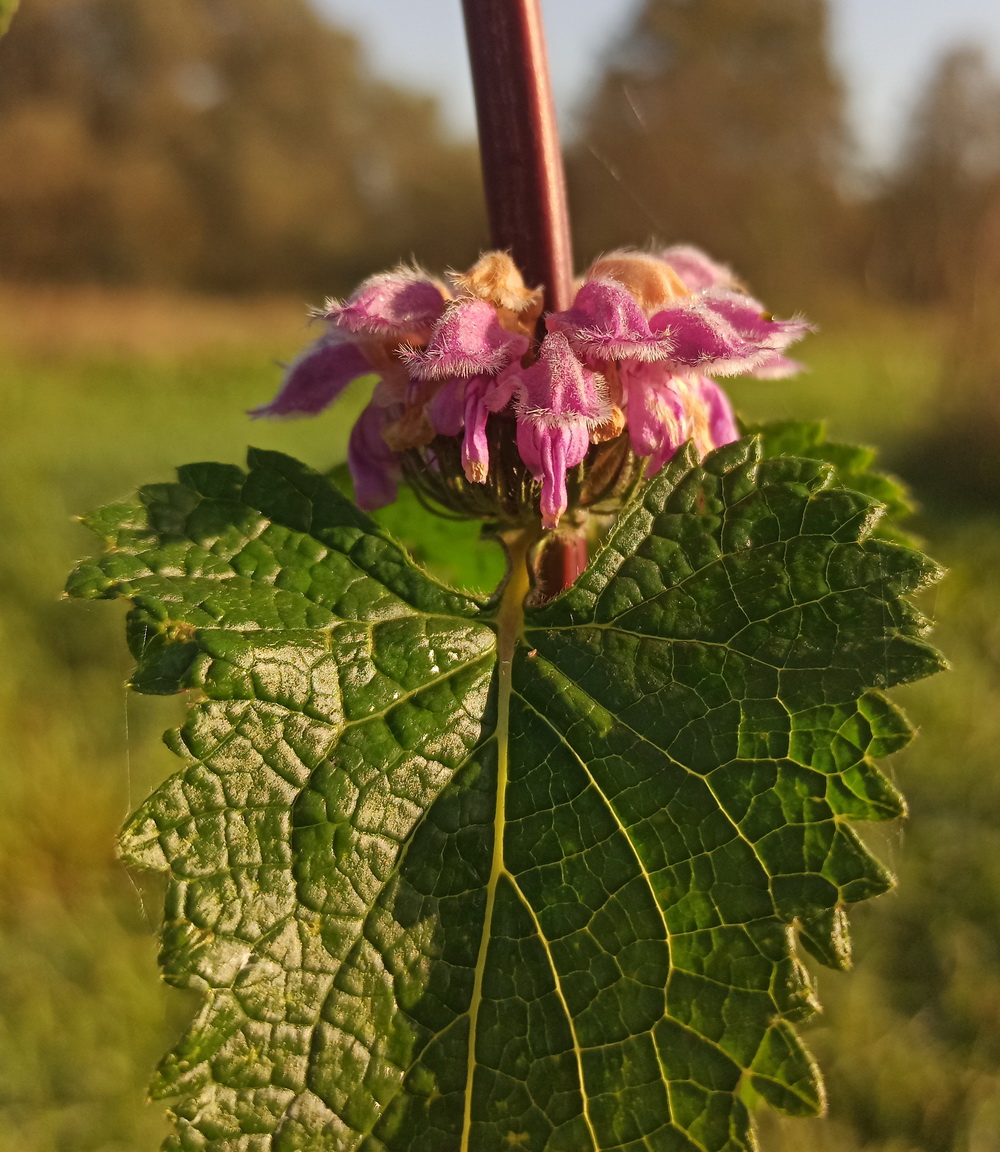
pixel 454 876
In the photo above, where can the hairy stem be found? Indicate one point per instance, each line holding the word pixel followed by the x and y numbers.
pixel 519 142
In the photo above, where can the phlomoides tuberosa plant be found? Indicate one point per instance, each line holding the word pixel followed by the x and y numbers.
pixel 530 871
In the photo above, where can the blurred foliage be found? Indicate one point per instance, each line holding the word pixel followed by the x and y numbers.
pixel 935 241
pixel 720 124
pixel 217 144
pixel 7 10
pixel 936 218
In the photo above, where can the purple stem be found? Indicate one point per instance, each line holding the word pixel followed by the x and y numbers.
pixel 557 561
pixel 519 142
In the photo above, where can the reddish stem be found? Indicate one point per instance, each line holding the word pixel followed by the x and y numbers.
pixel 525 190
pixel 558 560
pixel 519 142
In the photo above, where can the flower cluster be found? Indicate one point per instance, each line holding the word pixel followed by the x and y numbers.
pixel 462 366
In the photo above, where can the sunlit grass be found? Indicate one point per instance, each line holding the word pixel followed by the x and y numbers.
pixel 871 374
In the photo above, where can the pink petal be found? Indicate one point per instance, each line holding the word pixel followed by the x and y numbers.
pixel 724 332
pixel 391 305
pixel 506 385
pixel 558 389
pixel 777 367
pixel 558 403
pixel 657 420
pixel 317 378
pixel 374 467
pixel 483 395
pixel 549 452
pixel 750 319
pixel 721 421
pixel 447 409
pixel 468 341
pixel 475 448
pixel 606 323
pixel 697 270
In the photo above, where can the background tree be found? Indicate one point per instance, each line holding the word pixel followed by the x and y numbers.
pixel 936 242
pixel 215 144
pixel 934 219
pixel 720 123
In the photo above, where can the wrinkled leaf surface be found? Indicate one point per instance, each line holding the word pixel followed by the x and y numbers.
pixel 441 901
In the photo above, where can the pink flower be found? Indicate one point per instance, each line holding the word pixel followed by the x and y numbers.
pixel 724 332
pixel 468 340
pixel 721 421
pixel 361 333
pixel 606 323
pixel 696 270
pixel 392 306
pixel 317 378
pixel 461 377
pixel 374 467
pixel 558 403
pixel 658 421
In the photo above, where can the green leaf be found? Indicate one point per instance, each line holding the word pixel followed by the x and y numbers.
pixel 453 550
pixel 853 467
pixel 7 10
pixel 457 876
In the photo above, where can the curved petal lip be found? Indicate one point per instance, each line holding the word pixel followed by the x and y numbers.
pixel 392 305
pixel 469 340
pixel 316 379
pixel 609 346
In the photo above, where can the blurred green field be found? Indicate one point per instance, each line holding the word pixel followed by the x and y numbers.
pixel 101 393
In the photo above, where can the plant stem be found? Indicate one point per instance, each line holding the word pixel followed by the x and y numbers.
pixel 519 142
pixel 558 560
pixel 525 188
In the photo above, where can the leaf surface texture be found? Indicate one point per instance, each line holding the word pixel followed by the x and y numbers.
pixel 437 900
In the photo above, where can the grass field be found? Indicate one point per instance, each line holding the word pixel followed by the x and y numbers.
pixel 103 392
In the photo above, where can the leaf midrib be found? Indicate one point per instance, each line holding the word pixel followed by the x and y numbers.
pixel 510 629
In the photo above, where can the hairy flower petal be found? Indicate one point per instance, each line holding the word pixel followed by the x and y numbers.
pixel 657 419
pixel 721 421
pixel 317 378
pixel 749 317
pixel 374 467
pixel 606 323
pixel 468 341
pixel 558 402
pixel 777 367
pixel 725 333
pixel 475 448
pixel 697 270
pixel 558 389
pixel 396 306
pixel 549 451
pixel 483 395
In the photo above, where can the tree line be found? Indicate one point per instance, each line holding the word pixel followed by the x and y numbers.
pixel 218 145
pixel 234 145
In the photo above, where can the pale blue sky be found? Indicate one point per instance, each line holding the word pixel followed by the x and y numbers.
pixel 884 47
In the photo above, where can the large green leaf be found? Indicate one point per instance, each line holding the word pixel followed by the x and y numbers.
pixel 454 876
pixel 854 467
